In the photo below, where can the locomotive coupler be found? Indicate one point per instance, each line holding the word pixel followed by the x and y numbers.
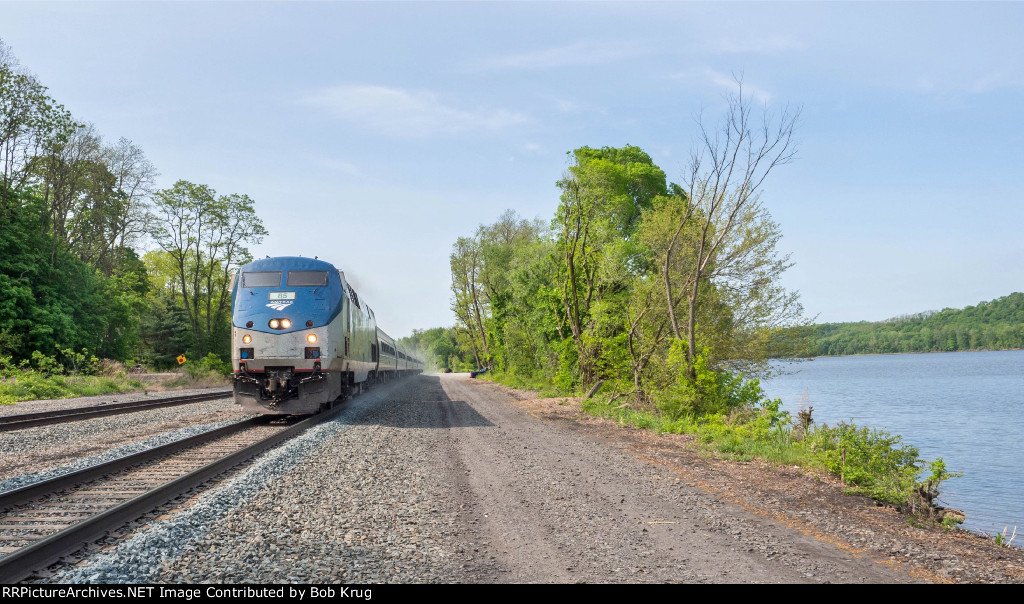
pixel 317 375
pixel 244 376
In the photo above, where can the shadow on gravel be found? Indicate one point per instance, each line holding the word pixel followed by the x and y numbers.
pixel 431 408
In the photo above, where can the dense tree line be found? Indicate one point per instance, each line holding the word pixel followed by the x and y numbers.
pixel 995 325
pixel 669 294
pixel 76 216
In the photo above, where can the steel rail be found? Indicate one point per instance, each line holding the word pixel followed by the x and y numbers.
pixel 22 563
pixel 42 418
pixel 9 499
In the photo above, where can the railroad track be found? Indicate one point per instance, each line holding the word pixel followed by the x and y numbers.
pixel 28 420
pixel 43 522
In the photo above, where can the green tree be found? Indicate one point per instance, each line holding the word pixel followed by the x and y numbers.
pixel 29 121
pixel 467 298
pixel 724 242
pixel 205 237
pixel 603 194
pixel 998 324
pixel 501 244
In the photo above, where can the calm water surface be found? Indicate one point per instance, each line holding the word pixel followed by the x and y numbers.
pixel 966 407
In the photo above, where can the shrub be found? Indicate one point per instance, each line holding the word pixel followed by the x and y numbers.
pixel 875 462
pixel 46 365
pixel 81 363
pixel 211 363
pixel 713 392
pixel 746 424
pixel 30 385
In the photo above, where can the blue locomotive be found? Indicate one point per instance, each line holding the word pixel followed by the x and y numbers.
pixel 301 338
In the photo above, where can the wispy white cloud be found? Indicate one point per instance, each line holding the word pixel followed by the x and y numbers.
pixel 730 83
pixel 756 45
pixel 727 81
pixel 406 113
pixel 572 55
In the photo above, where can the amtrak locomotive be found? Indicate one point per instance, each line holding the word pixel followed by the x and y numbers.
pixel 301 338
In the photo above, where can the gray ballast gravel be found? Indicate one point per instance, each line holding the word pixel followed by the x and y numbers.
pixel 42 448
pixel 53 404
pixel 444 479
pixel 162 439
pixel 348 501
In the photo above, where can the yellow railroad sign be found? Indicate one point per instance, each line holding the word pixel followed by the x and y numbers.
pixel 181 359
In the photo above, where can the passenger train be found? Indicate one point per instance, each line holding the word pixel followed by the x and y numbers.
pixel 301 338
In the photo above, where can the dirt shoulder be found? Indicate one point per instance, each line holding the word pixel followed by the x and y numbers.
pixel 801 499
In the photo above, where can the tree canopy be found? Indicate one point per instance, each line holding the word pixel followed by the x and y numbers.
pixel 994 325
pixel 671 295
pixel 76 217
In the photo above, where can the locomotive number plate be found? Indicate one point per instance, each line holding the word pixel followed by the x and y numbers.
pixel 281 296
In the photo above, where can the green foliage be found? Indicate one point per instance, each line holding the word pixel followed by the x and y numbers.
pixel 30 119
pixel 939 473
pixel 949 523
pixel 203 236
pixel 1005 538
pixel 73 210
pixel 872 462
pixel 438 347
pixel 670 297
pixel 604 194
pixel 210 364
pixel 995 325
pixel 32 385
pixel 80 363
pixel 875 462
pixel 45 365
pixel 711 392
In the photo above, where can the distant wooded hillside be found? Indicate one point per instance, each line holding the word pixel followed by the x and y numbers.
pixel 995 325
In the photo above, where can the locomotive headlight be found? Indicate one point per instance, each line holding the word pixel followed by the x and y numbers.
pixel 247 338
pixel 285 323
pixel 275 324
pixel 311 338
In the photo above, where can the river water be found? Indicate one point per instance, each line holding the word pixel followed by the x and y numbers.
pixel 966 407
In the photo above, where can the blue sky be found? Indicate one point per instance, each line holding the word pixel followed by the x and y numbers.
pixel 374 134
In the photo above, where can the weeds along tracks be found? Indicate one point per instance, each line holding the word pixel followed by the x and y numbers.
pixel 42 418
pixel 42 522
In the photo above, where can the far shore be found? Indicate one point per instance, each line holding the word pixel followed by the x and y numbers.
pixel 870 354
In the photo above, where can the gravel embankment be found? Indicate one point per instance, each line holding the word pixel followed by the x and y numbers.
pixel 442 479
pixel 54 404
pixel 447 479
pixel 355 500
pixel 46 448
pixel 21 480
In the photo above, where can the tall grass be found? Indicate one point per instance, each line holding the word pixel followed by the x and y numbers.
pixel 31 385
pixel 80 374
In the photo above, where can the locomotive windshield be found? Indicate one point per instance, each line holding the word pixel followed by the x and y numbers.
pixel 307 278
pixel 262 279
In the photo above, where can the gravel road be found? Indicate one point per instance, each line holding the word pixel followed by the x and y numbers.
pixel 441 478
pixel 544 502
